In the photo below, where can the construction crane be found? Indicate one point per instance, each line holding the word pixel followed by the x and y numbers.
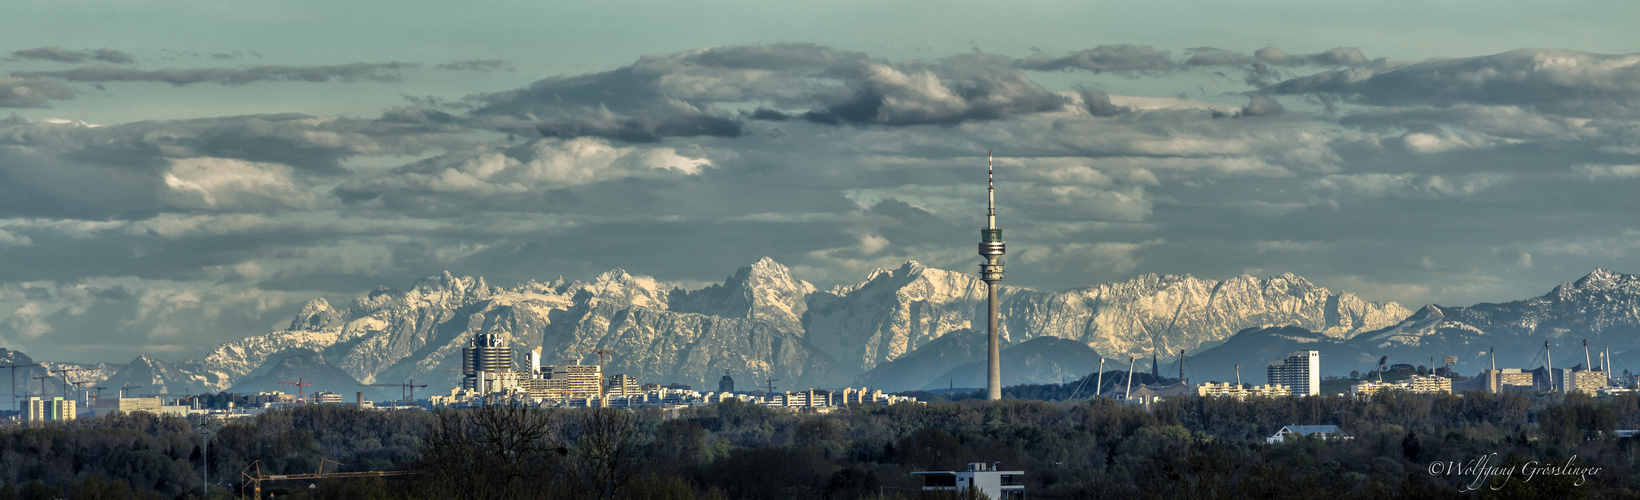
pixel 770 384
pixel 14 368
pixel 79 388
pixel 409 391
pixel 300 384
pixel 600 353
pixel 98 397
pixel 65 371
pixel 256 480
pixel 127 387
pixel 43 379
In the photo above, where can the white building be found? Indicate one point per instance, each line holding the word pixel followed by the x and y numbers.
pixel 1321 431
pixel 1227 389
pixel 1300 372
pixel 37 409
pixel 995 484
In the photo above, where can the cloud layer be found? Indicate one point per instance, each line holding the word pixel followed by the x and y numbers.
pixel 1453 180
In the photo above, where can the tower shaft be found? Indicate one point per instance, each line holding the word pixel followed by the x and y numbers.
pixel 991 247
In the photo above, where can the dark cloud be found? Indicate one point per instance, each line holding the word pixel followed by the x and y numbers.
pixel 29 92
pixel 59 54
pixel 262 163
pixel 353 72
pixel 479 65
pixel 1098 103
pixel 310 143
pixel 111 56
pixel 1209 56
pixel 1341 56
pixel 680 95
pixel 1118 58
pixel 1554 81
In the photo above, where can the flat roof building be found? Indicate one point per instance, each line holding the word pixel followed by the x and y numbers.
pixel 1300 372
pixel 995 484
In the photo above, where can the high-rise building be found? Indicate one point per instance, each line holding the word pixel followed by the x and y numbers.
pixel 577 379
pixel 37 409
pixel 1300 372
pixel 622 385
pixel 486 359
pixel 726 384
pixel 991 247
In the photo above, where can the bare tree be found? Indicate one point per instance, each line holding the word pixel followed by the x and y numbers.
pixel 493 452
pixel 609 451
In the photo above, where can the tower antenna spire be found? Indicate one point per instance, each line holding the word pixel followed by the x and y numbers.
pixel 990 191
pixel 991 247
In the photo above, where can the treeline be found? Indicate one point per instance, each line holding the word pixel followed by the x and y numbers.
pixel 1179 448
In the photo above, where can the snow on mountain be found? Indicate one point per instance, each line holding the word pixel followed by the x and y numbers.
pixel 1602 308
pixel 895 312
pixel 761 322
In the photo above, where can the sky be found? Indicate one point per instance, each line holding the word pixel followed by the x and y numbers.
pixel 179 173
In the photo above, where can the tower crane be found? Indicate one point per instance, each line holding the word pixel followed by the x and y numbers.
pixel 14 368
pixel 256 480
pixel 65 371
pixel 601 353
pixel 409 389
pixel 125 390
pixel 300 384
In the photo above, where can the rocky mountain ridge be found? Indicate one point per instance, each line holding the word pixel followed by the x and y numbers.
pixel 761 322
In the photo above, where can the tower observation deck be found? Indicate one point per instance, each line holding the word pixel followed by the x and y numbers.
pixel 991 247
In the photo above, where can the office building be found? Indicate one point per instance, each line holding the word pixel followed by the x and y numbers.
pixel 1300 372
pixel 726 384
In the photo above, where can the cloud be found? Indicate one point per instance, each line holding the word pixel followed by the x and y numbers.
pixel 59 54
pixel 1411 186
pixel 886 95
pixel 30 92
pixel 1098 103
pixel 479 65
pixel 1546 80
pixel 522 171
pixel 1341 56
pixel 685 94
pixel 25 322
pixel 1598 172
pixel 1262 105
pixel 1209 56
pixel 352 72
pixel 8 239
pixel 1118 58
pixel 230 164
pixel 226 184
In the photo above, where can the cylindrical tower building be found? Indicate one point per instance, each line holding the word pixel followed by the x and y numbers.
pixel 991 247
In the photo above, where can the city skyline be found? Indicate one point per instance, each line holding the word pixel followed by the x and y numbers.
pixel 176 174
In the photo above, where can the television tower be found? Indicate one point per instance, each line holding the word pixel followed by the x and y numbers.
pixel 991 248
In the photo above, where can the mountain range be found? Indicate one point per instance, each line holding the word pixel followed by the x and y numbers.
pixel 762 322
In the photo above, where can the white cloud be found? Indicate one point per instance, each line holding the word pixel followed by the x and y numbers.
pixel 228 184
pixel 7 239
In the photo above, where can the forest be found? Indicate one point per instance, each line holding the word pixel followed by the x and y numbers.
pixel 1070 449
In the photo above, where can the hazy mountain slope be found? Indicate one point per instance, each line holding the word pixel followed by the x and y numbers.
pixel 761 321
pixel 930 362
pixel 309 367
pixel 1042 360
